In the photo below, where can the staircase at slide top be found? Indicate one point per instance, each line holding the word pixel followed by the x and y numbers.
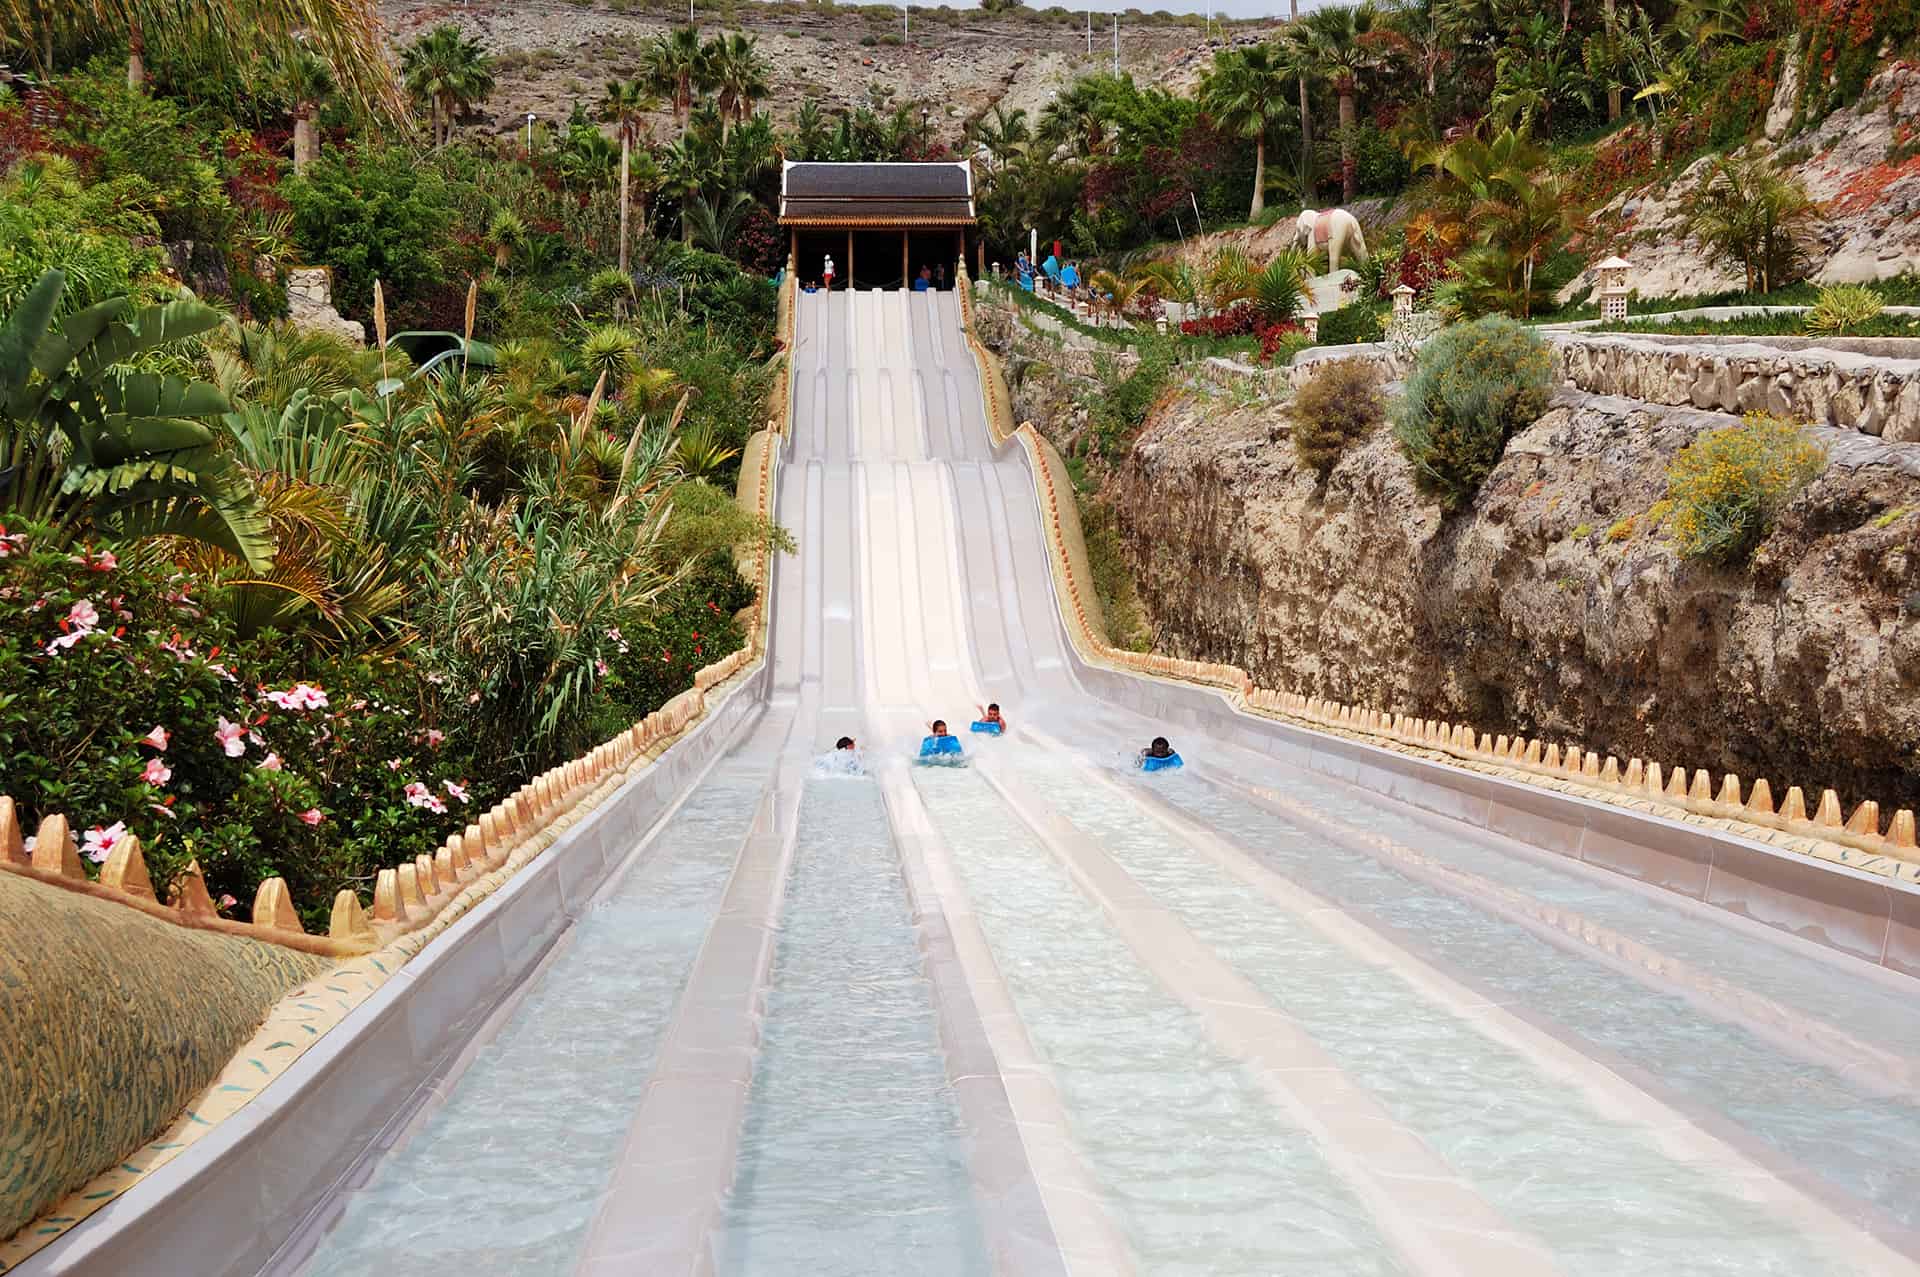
pixel 1046 1014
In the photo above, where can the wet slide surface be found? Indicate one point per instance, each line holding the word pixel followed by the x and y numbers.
pixel 1045 1014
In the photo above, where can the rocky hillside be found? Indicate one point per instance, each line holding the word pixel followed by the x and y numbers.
pixel 1553 604
pixel 1862 164
pixel 960 61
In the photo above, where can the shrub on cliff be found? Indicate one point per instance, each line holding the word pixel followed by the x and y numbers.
pixel 1352 323
pixel 1473 386
pixel 1728 486
pixel 1340 404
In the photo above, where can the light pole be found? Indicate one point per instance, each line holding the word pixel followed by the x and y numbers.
pixel 923 132
pixel 529 143
pixel 1116 45
pixel 903 22
pixel 1089 31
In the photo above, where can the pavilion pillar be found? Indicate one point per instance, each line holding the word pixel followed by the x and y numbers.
pixel 793 246
pixel 849 259
pixel 906 275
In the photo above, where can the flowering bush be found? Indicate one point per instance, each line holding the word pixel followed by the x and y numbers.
pixel 1728 485
pixel 130 707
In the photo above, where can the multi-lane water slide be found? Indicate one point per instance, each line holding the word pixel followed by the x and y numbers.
pixel 1308 1006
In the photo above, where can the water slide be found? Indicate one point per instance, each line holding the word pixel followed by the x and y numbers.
pixel 1305 1006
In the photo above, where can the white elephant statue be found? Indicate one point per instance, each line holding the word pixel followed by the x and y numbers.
pixel 1333 229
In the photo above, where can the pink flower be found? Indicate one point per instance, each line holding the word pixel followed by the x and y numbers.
pixel 225 901
pixel 600 668
pixel 101 562
pixel 417 794
pixel 156 738
pixel 156 772
pixel 100 842
pixel 271 763
pixel 11 544
pixel 458 791
pixel 312 816
pixel 394 764
pixel 302 696
pixel 434 737
pixel 232 737
pixel 82 615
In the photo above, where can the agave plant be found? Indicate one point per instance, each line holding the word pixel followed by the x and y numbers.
pixel 1280 288
pixel 700 453
pixel 610 353
pixel 1843 309
pixel 91 443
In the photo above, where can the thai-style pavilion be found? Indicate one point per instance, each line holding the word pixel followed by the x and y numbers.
pixel 880 222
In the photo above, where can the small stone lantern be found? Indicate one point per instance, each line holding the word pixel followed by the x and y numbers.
pixel 1312 321
pixel 1612 275
pixel 1403 301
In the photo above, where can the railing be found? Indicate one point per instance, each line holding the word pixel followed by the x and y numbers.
pixel 993 381
pixel 1860 841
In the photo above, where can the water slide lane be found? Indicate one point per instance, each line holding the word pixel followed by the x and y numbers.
pixel 1612 1179
pixel 537 1115
pixel 1200 1171
pixel 1748 1033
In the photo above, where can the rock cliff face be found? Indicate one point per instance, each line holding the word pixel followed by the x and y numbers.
pixel 1553 605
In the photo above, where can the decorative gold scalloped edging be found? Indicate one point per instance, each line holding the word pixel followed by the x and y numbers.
pixel 428 896
pixel 1860 841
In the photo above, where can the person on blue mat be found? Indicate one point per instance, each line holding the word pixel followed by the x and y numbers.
pixel 845 742
pixel 939 742
pixel 1158 756
pixel 990 721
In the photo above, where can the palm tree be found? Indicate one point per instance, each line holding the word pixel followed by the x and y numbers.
pixel 627 104
pixel 741 74
pixel 307 81
pixel 450 73
pixel 809 139
pixel 1339 36
pixel 235 33
pixel 1002 134
pixel 1076 116
pixel 1246 92
pixel 1747 212
pixel 676 67
pixel 687 169
pixel 715 228
pixel 1524 217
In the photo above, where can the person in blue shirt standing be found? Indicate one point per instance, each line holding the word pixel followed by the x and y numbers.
pixel 939 743
pixel 1158 756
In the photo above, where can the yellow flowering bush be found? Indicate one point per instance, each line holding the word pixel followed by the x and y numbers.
pixel 1729 485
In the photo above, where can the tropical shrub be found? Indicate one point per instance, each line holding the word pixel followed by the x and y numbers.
pixel 372 212
pixel 1728 485
pixel 1340 404
pixel 1473 386
pixel 1351 324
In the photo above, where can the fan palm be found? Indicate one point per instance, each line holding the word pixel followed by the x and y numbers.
pixel 627 104
pixel 1002 134
pixel 1339 36
pixel 686 170
pixel 346 34
pixel 714 228
pixel 741 74
pixel 676 67
pixel 1246 92
pixel 448 72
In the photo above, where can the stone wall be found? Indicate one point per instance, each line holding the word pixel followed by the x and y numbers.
pixel 1876 396
pixel 310 305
